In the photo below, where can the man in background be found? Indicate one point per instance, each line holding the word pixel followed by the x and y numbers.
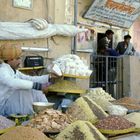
pixel 105 44
pixel 125 47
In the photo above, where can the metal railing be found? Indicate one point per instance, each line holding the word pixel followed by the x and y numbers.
pixel 108 74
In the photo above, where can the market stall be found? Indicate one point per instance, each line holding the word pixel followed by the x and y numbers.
pixel 82 114
pixel 93 114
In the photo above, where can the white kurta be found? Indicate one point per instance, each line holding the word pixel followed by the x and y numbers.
pixel 16 93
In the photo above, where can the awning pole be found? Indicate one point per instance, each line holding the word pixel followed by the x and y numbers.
pixel 75 23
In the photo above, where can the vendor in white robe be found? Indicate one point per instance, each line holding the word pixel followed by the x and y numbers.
pixel 17 90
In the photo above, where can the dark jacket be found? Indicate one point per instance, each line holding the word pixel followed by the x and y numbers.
pixel 103 44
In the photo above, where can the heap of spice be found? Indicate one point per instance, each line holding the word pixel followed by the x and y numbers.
pixel 114 123
pixel 81 130
pixel 86 109
pixel 23 133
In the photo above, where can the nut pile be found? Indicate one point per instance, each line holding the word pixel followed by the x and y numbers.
pixel 114 123
pixel 5 123
pixel 50 121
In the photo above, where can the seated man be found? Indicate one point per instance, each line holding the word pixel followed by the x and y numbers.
pixel 17 90
pixel 125 47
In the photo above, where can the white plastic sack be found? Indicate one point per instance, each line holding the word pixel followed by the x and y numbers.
pixel 18 30
pixel 117 110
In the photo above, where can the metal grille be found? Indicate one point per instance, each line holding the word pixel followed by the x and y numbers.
pixel 108 74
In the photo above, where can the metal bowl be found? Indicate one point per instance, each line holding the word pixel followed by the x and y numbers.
pixel 40 106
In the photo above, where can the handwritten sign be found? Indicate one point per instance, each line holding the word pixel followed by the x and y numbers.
pixel 120 13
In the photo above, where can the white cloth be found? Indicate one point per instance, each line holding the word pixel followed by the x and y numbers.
pixel 18 30
pixel 129 50
pixel 16 93
pixel 39 24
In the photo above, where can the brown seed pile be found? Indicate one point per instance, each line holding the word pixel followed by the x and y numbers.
pixel 129 103
pixel 24 133
pixel 127 100
pixel 50 121
pixel 131 106
pixel 114 123
pixel 5 123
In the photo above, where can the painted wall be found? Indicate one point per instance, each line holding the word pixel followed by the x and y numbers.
pixel 135 33
pixel 48 9
pixel 10 13
pixel 131 77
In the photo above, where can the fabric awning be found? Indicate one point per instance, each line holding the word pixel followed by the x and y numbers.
pixel 18 30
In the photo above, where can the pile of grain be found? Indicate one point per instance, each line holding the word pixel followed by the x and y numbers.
pixel 97 93
pixel 114 123
pixel 101 97
pixel 66 86
pixel 24 133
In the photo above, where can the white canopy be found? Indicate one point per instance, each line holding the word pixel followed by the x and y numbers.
pixel 18 30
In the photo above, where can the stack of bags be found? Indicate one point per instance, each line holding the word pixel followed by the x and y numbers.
pixel 73 65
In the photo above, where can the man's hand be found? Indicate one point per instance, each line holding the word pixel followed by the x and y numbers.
pixel 45 87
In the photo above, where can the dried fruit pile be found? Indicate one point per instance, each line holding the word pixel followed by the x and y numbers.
pixel 114 123
pixel 50 121
pixel 5 123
